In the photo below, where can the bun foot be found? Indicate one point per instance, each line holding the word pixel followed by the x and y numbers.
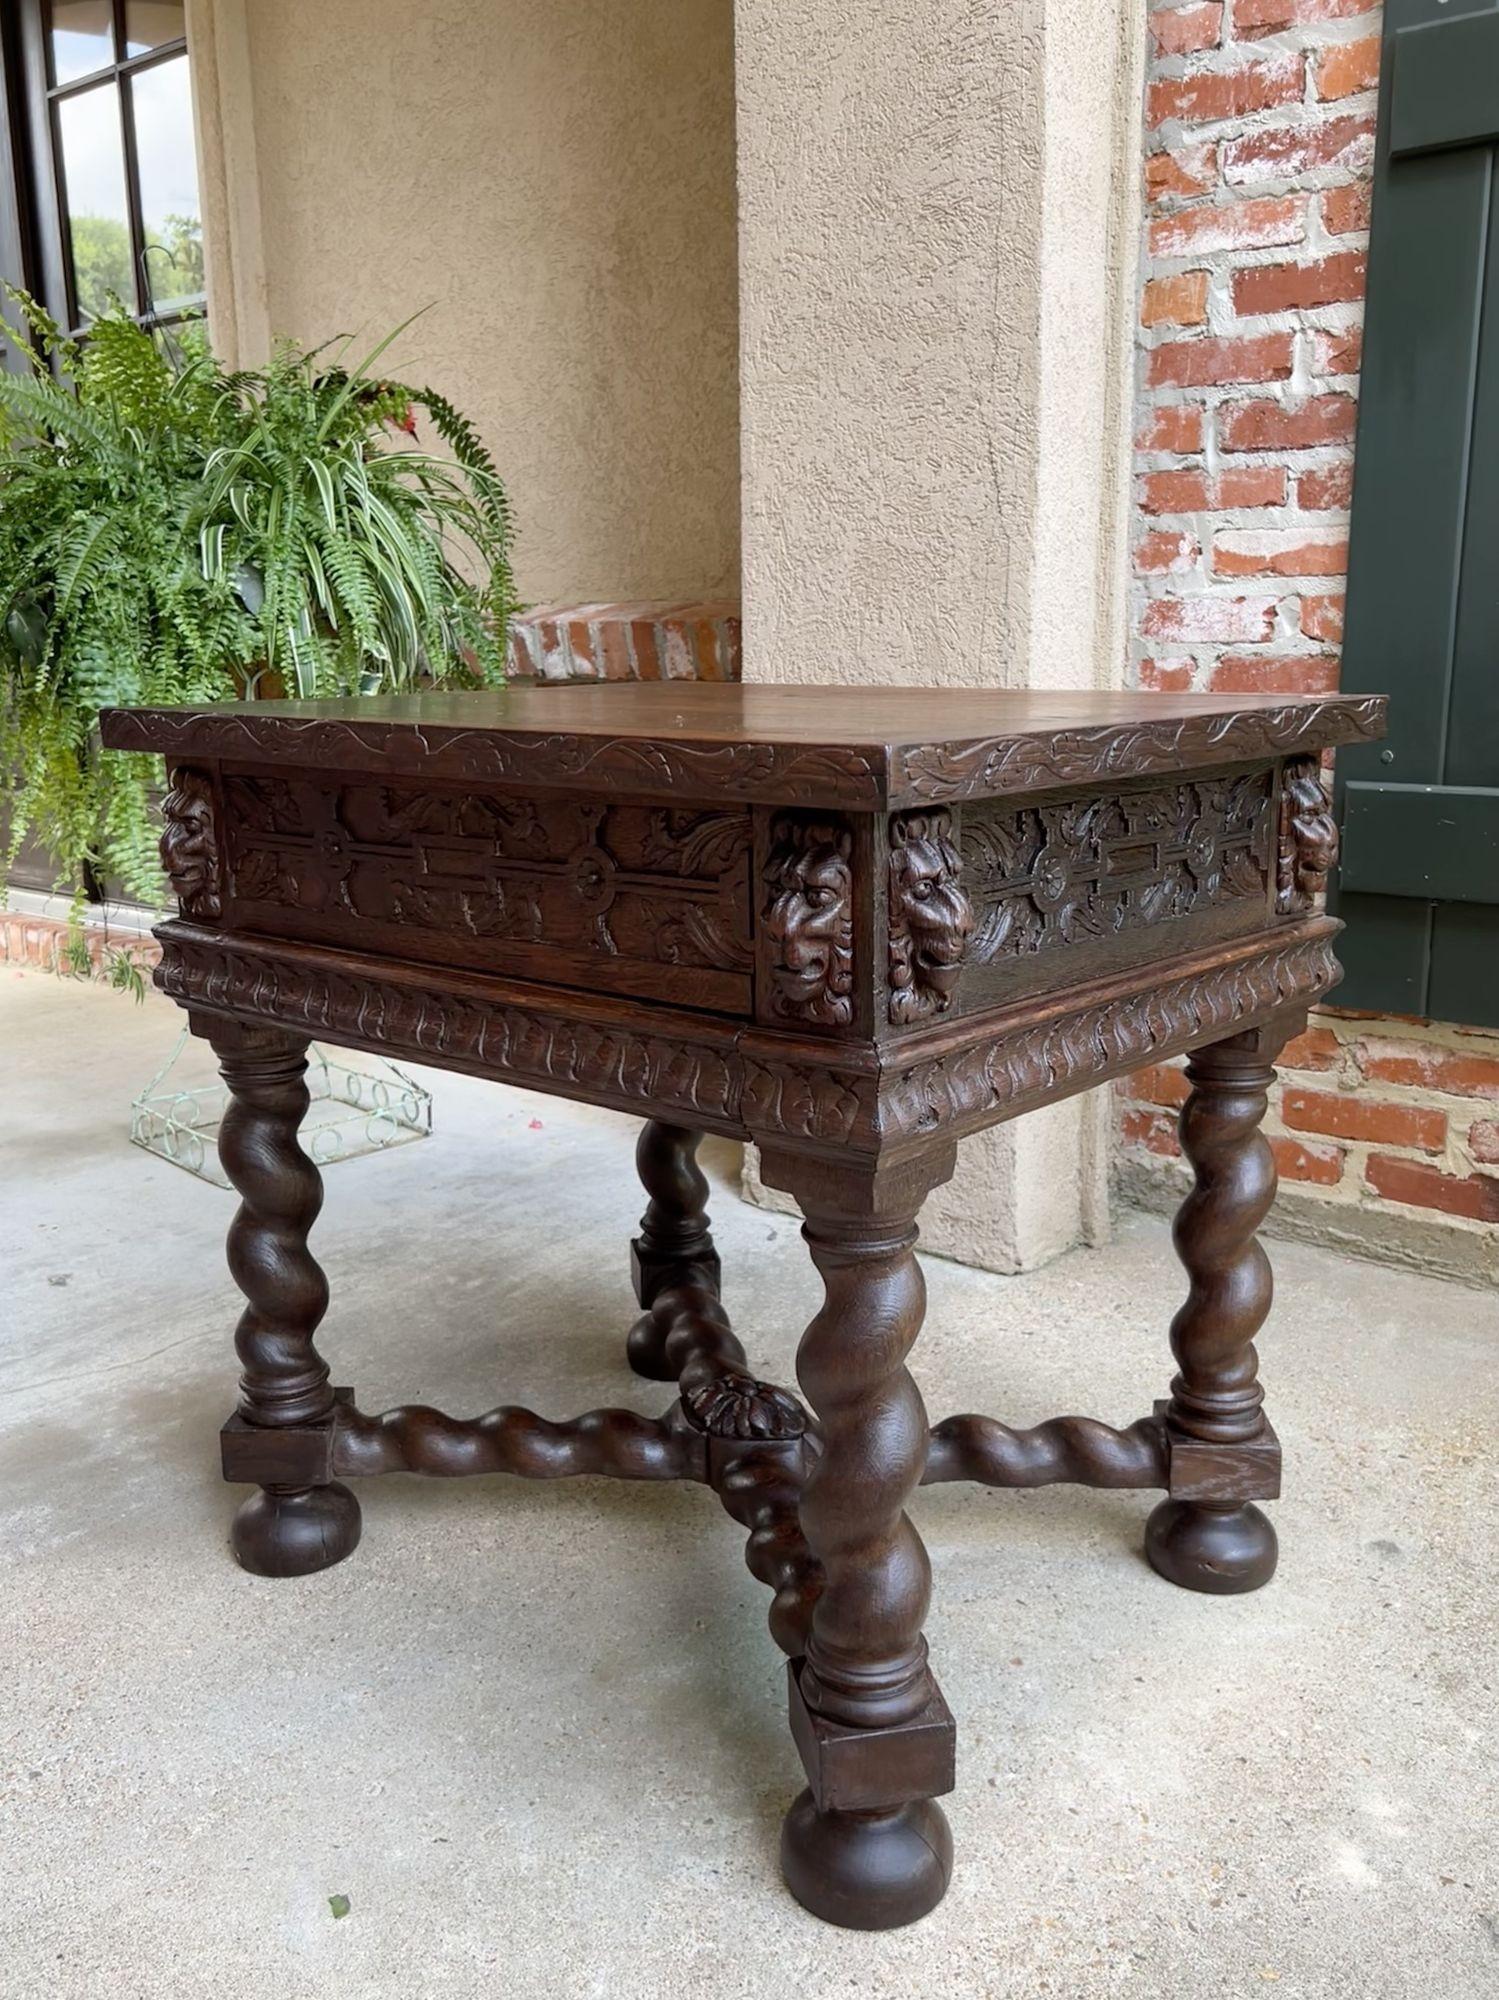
pixel 1221 1550
pixel 868 1871
pixel 282 1531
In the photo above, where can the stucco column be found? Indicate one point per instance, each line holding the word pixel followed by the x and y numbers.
pixel 938 242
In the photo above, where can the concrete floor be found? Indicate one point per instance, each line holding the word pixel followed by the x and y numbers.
pixel 535 1734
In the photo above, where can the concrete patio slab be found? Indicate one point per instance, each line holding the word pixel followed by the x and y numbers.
pixel 535 1734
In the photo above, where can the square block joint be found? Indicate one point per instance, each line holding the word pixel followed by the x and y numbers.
pixel 1220 1474
pixel 291 1455
pixel 865 1770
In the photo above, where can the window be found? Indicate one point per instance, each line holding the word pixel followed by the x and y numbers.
pixel 102 159
pixel 98 181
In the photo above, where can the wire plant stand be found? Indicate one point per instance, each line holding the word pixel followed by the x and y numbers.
pixel 354 1111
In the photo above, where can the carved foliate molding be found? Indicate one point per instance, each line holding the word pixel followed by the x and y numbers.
pixel 975 1084
pixel 931 917
pixel 189 845
pixel 807 920
pixel 860 776
pixel 1308 850
pixel 751 1091
pixel 1062 758
pixel 493 1036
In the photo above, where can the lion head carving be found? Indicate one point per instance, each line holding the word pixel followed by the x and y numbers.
pixel 1309 839
pixel 809 921
pixel 189 847
pixel 931 918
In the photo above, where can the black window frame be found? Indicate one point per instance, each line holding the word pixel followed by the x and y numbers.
pixel 37 162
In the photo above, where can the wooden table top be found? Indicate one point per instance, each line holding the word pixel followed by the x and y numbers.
pixel 814 746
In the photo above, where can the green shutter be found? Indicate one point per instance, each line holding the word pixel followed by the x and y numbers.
pixel 1420 813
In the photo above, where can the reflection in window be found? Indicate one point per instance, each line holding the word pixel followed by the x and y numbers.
pixel 150 23
pixel 93 168
pixel 171 222
pixel 82 38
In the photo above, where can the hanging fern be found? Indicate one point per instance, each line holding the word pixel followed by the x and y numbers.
pixel 174 532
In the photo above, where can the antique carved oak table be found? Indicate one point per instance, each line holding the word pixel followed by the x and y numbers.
pixel 851 925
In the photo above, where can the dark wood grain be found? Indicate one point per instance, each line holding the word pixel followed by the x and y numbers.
pixel 852 926
pixel 283 1530
pixel 866 748
pixel 879 1857
pixel 1216 1396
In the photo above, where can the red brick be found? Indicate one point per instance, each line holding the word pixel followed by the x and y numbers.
pixel 1209 620
pixel 1429 1068
pixel 1180 300
pixel 643 645
pixel 1341 1116
pixel 1421 1186
pixel 1151 1129
pixel 580 645
pixel 1181 31
pixel 1275 673
pixel 1182 170
pixel 520 661
pixel 1483 1141
pixel 1328 486
pixel 1322 618
pixel 1347 67
pixel 1166 676
pixel 1184 492
pixel 1204 363
pixel 1316 1048
pixel 615 648
pixel 1338 353
pixel 1173 427
pixel 1162 1083
pixel 710 665
pixel 1189 491
pixel 1253 18
pixel 1258 224
pixel 1286 152
pixel 1250 486
pixel 1346 209
pixel 1296 1161
pixel 1164 554
pixel 1273 288
pixel 1267 425
pixel 1298 558
pixel 1234 93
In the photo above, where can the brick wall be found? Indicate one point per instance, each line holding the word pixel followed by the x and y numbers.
pixel 626 642
pixel 41 942
pixel 1260 122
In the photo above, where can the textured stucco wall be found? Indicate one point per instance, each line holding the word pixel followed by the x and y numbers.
pixel 937 238
pixel 557 183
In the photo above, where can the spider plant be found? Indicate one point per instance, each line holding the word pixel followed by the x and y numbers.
pixel 174 532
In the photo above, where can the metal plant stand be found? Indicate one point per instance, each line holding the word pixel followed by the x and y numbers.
pixel 364 1104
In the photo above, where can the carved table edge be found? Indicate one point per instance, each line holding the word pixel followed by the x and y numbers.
pixel 986 767
pixel 868 777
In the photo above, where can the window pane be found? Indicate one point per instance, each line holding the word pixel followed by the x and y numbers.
pixel 82 37
pixel 149 23
pixel 93 165
pixel 173 262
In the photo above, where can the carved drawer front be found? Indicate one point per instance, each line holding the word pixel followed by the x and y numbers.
pixel 630 898
pixel 1056 892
